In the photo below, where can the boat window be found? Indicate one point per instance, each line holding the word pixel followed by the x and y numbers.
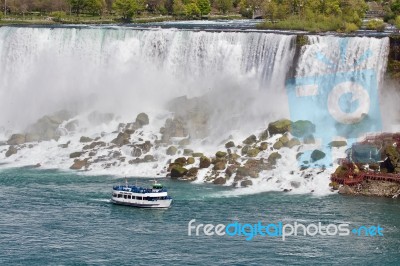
pixel 139 198
pixel 129 197
pixel 119 196
pixel 114 195
pixel 125 196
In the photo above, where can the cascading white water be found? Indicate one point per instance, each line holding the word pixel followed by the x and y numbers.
pixel 126 71
pixel 240 75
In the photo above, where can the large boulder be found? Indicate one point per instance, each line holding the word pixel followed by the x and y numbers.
pixel 250 140
pixel 79 164
pixel 253 152
pixel 220 154
pixel 205 162
pixel 197 154
pixel 121 139
pixel 229 144
pixel 171 150
pixel 279 127
pixel 174 128
pixel 273 157
pixel 190 160
pixel 187 152
pixel 263 146
pixel 11 151
pixel 180 160
pixel 47 127
pixel 84 139
pixel 337 143
pixel 136 152
pixel 317 155
pixel 302 128
pixel 218 166
pixel 142 119
pixel 293 142
pixel 16 139
pixel 219 181
pixel 178 171
pixel 246 183
pixel 76 154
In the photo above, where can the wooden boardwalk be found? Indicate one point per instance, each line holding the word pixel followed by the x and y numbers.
pixel 360 177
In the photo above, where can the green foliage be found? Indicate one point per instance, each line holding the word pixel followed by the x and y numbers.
pixel 224 5
pixel 126 9
pixel 376 24
pixel 58 16
pixel 192 11
pixel 397 22
pixel 204 7
pixel 178 8
pixel 350 27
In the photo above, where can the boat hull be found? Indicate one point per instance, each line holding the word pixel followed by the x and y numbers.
pixel 157 204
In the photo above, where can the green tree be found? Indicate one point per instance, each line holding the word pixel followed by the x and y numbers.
pixel 270 9
pixel 204 7
pixel 192 10
pixel 78 6
pixel 178 8
pixel 95 7
pixel 126 8
pixel 224 5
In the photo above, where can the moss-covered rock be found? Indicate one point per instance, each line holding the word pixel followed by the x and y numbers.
pixel 317 155
pixel 245 149
pixel 337 143
pixel 250 140
pixel 205 162
pixel 221 154
pixel 302 128
pixel 229 144
pixel 180 160
pixel 187 152
pixel 171 150
pixel 277 145
pixel 253 152
pixel 178 171
pixel 273 157
pixel 293 142
pixel 197 154
pixel 190 160
pixel 279 127
pixel 263 146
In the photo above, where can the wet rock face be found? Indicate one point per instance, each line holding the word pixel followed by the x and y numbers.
pixel 121 139
pixel 279 127
pixel 11 151
pixel 172 150
pixel 16 139
pixel 317 155
pixel 178 171
pixel 174 128
pixel 47 127
pixel 142 119
pixel 79 164
pixel 205 162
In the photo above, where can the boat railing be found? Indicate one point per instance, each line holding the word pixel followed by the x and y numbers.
pixel 135 189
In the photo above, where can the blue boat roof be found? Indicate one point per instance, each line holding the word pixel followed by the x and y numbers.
pixel 136 189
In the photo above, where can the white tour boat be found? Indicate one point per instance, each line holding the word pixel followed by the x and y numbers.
pixel 154 197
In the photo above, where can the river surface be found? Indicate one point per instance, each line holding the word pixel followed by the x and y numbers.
pixel 50 217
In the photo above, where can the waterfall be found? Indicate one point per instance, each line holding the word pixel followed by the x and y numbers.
pixel 46 69
pixel 235 82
